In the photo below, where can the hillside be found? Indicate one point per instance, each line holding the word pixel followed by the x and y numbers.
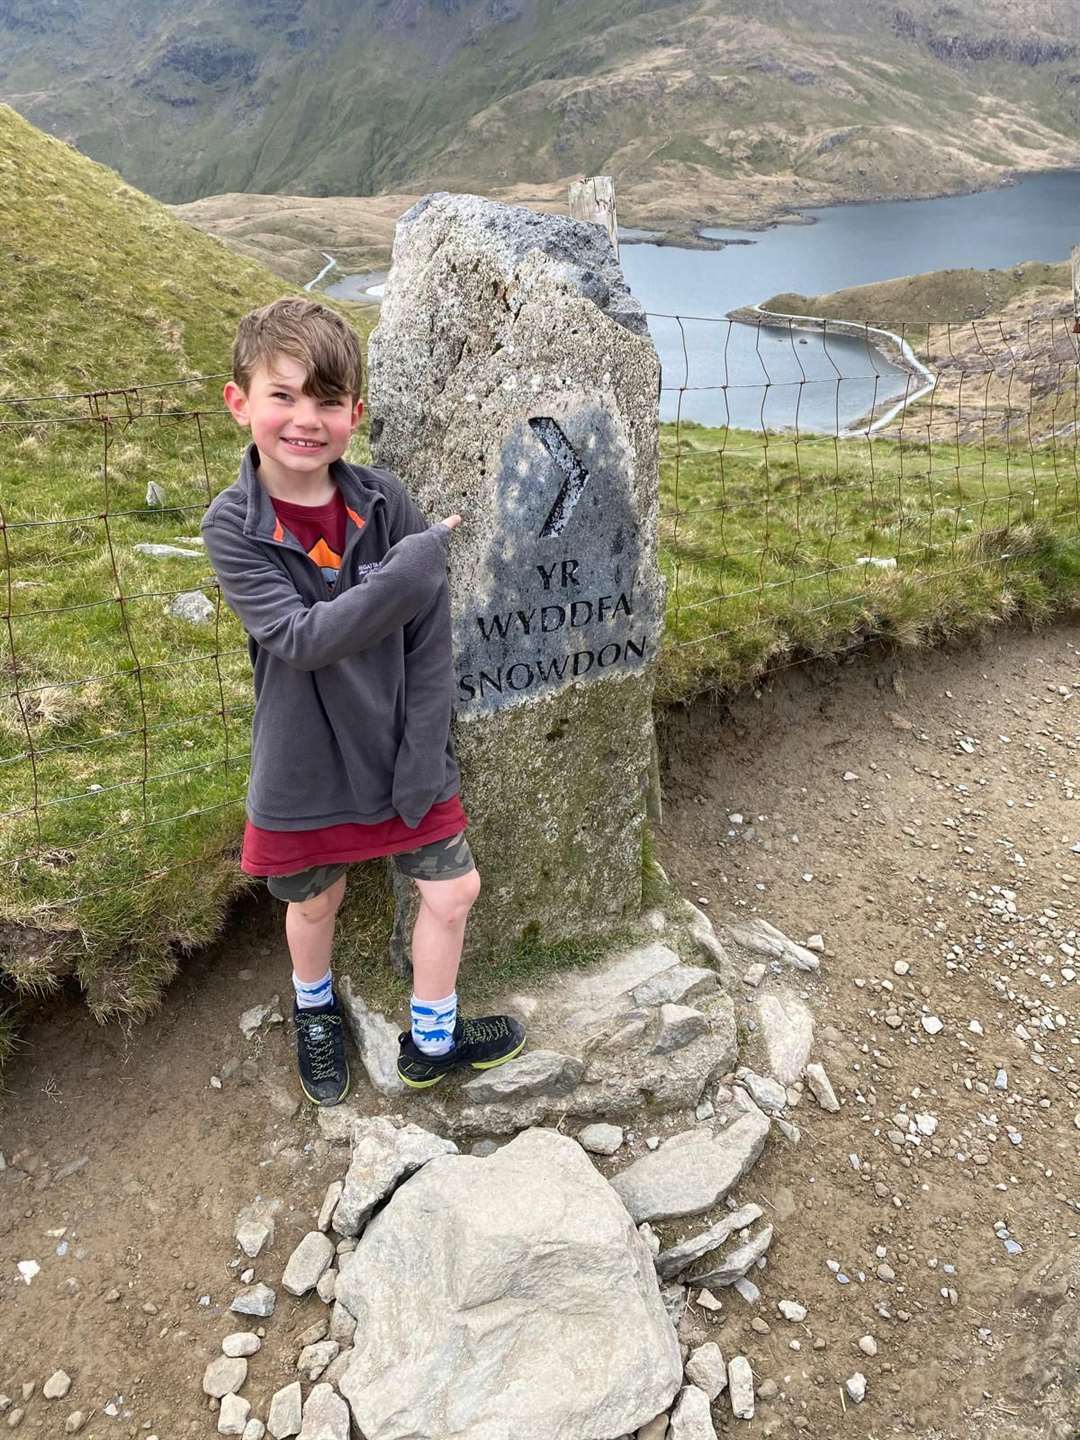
pixel 104 286
pixel 703 110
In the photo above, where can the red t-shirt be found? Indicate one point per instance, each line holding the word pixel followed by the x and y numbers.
pixel 321 530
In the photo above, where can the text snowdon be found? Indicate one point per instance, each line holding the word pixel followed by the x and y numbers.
pixel 522 675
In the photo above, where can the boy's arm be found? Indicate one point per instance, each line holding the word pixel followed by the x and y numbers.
pixel 428 683
pixel 308 637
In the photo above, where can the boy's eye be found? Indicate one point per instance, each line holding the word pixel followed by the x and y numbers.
pixel 281 395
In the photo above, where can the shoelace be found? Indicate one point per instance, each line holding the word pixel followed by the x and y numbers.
pixel 319 1043
pixel 483 1032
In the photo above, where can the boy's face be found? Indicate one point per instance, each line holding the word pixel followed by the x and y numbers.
pixel 298 435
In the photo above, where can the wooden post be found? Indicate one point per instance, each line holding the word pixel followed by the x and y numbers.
pixel 592 198
pixel 1076 297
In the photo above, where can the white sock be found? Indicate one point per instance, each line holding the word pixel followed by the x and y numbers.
pixel 433 1024
pixel 311 994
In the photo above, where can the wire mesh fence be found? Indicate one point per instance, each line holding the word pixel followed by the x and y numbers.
pixel 820 484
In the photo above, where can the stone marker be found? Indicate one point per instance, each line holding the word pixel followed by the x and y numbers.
pixel 533 1279
pixel 512 379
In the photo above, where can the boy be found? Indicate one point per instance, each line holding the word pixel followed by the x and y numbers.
pixel 341 586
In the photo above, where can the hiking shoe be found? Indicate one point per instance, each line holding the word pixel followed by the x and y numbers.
pixel 483 1044
pixel 320 1053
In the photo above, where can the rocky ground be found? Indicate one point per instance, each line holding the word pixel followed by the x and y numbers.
pixel 922 1249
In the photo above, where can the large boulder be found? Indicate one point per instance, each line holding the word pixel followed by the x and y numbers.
pixel 505 1297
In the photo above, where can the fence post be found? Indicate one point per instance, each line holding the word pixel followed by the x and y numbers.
pixel 592 198
pixel 512 379
pixel 1076 297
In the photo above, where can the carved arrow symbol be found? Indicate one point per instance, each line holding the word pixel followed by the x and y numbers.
pixel 575 476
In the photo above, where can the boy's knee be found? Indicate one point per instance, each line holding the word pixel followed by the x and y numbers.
pixel 451 900
pixel 320 907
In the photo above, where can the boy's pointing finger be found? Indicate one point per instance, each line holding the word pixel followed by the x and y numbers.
pixel 452 521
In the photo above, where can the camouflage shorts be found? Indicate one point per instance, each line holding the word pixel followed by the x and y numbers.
pixel 441 860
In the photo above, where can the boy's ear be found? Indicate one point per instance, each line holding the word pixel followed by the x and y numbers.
pixel 237 402
pixel 357 412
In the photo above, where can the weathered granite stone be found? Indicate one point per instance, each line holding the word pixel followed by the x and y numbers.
pixel 690 1418
pixel 679 1024
pixel 329 1204
pixel 326 1416
pixel 233 1415
pixel 676 985
pixel 601 1139
pixel 787 1028
pixel 715 1273
pixel 821 1088
pixel 254 1300
pixel 315 1358
pixel 765 939
pixel 768 1094
pixel 192 606
pixel 536 1072
pixel 254 1429
pixel 342 1324
pixel 706 1369
pixel 616 1082
pixel 512 379
pixel 382 1156
pixel 337 1367
pixel 376 1040
pixel 532 1272
pixel 307 1262
pixel 678 1258
pixel 241 1342
pixel 284 1417
pixel 692 1171
pixel 223 1375
pixel 741 1387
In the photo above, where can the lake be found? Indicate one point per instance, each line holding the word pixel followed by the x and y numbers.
pixel 718 373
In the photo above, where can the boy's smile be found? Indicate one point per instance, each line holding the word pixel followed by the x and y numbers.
pixel 298 435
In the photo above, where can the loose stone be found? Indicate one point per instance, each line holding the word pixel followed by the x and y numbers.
pixel 383 1156
pixel 855 1385
pixel 57 1385
pixel 284 1417
pixel 932 1025
pixel 768 1093
pixel 253 1430
pixel 315 1358
pixel 307 1263
pixel 768 1390
pixel 734 1266
pixel 224 1375
pixel 75 1422
pixel 326 1416
pixel 741 1388
pixel 868 1345
pixel 706 1369
pixel 329 1204
pixel 241 1342
pixel 326 1286
pixel 755 974
pixel 233 1415
pixel 680 1257
pixel 690 1418
pixel 821 1088
pixel 601 1139
pixel 679 1025
pixel 255 1300
pixel 792 1310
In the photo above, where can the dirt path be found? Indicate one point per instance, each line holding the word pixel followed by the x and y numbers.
pixel 911 862
pixel 897 857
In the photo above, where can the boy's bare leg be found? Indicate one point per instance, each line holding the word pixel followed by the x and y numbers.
pixel 309 930
pixel 439 933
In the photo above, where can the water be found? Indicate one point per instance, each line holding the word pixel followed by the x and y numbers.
pixel 1036 219
pixel 718 373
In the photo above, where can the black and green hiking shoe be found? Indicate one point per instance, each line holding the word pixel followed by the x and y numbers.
pixel 320 1053
pixel 483 1044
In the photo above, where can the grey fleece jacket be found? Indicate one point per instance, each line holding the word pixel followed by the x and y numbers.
pixel 352 692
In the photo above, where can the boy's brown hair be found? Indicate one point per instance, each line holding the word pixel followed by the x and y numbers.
pixel 325 344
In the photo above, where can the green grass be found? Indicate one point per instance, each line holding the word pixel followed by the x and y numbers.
pixel 762 536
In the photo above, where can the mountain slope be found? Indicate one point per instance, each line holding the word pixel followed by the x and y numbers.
pixel 104 286
pixel 721 101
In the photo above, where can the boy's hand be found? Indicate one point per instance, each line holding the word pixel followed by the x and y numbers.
pixel 452 522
